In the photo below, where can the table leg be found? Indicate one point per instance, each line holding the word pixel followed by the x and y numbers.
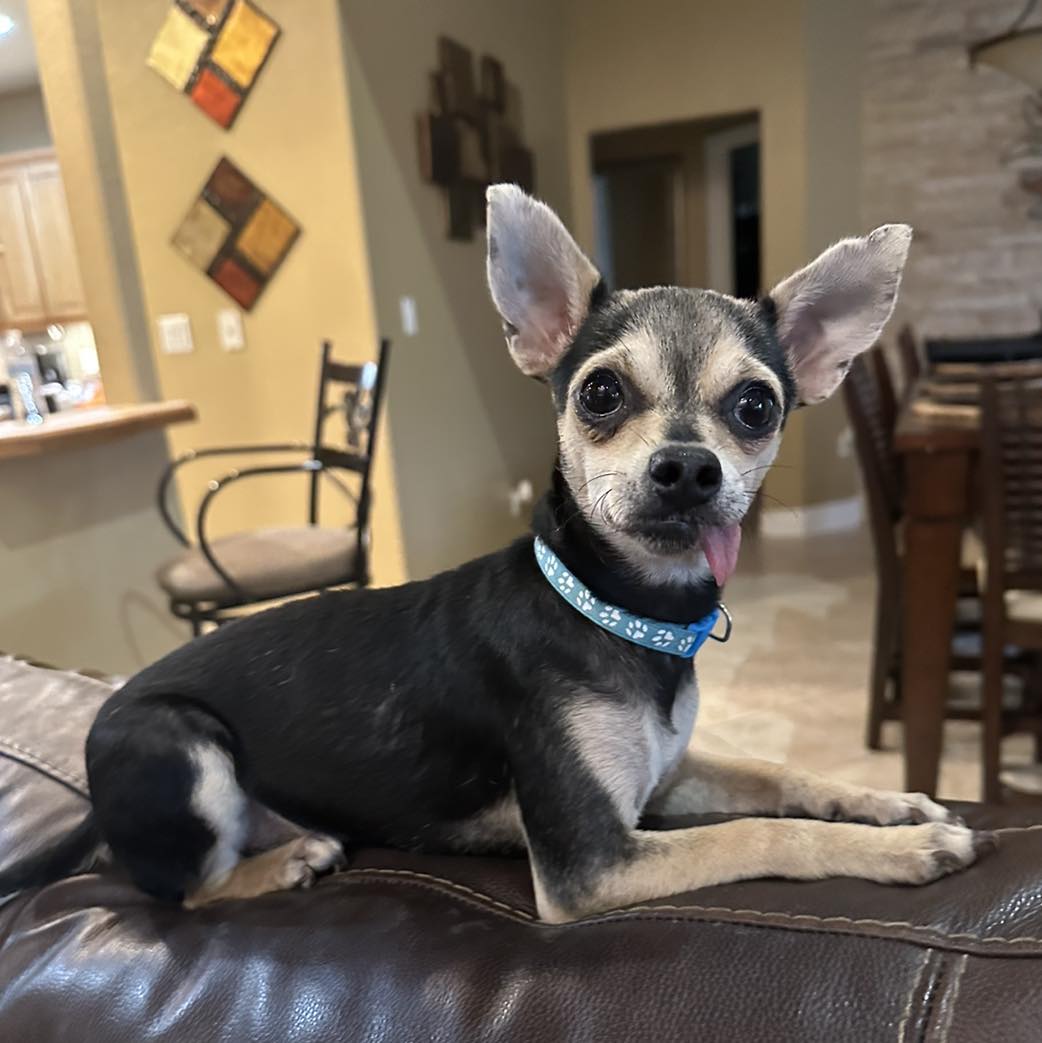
pixel 937 486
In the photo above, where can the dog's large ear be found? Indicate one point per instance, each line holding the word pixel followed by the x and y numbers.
pixel 539 278
pixel 837 306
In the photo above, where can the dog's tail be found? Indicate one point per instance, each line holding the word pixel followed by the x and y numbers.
pixel 74 853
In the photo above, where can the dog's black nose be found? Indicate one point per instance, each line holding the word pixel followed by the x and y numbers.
pixel 685 476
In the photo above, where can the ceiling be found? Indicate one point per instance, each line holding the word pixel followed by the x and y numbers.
pixel 17 54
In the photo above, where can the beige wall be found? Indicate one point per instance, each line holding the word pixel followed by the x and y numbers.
pixel 466 425
pixel 835 53
pixel 294 138
pixel 79 542
pixel 23 122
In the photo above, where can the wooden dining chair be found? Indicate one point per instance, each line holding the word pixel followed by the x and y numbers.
pixel 911 354
pixel 872 408
pixel 212 580
pixel 1011 495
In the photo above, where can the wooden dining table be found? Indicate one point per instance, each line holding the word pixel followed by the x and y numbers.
pixel 939 446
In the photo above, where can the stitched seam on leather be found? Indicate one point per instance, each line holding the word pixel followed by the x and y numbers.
pixel 772 919
pixel 949 1012
pixel 923 929
pixel 906 1014
pixel 451 884
pixel 34 760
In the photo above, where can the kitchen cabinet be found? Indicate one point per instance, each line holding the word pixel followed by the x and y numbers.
pixel 21 297
pixel 39 273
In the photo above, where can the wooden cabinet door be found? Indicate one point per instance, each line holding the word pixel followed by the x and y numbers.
pixel 21 296
pixel 55 249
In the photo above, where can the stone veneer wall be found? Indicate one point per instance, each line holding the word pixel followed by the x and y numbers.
pixel 933 133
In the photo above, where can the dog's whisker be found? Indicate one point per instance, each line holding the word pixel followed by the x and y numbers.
pixel 596 478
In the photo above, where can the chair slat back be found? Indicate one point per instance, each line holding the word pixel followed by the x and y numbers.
pixel 353 394
pixel 873 426
pixel 911 356
pixel 1011 477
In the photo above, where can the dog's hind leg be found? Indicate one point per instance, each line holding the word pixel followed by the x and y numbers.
pixel 169 803
pixel 292 865
pixel 705 783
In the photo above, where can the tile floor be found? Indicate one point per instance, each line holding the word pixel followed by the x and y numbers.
pixel 791 685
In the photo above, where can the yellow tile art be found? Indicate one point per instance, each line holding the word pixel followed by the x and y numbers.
pixel 243 43
pixel 176 49
pixel 202 234
pixel 266 237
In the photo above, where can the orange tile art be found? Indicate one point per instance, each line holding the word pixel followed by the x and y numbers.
pixel 244 42
pixel 213 51
pixel 216 98
pixel 236 234
pixel 267 236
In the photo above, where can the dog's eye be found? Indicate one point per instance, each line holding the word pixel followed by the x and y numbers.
pixel 755 407
pixel 601 393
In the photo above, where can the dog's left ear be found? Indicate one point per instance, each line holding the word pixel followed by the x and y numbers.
pixel 837 306
pixel 540 280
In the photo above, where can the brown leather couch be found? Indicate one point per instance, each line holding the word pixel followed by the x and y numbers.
pixel 409 948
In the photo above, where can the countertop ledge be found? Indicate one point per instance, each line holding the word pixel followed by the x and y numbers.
pixel 90 426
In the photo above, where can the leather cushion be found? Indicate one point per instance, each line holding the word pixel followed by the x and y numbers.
pixel 265 563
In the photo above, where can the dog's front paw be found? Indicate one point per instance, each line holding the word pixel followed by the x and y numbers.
pixel 920 854
pixel 889 808
pixel 312 855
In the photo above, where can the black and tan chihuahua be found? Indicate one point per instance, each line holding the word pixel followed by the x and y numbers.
pixel 529 702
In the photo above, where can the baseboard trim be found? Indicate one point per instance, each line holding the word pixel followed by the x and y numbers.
pixel 814 520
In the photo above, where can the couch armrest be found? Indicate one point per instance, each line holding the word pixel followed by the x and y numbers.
pixel 44 718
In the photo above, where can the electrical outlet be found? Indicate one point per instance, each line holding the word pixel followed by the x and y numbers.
pixel 410 320
pixel 175 334
pixel 230 333
pixel 845 444
pixel 520 497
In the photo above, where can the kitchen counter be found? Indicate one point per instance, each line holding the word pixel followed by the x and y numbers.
pixel 87 427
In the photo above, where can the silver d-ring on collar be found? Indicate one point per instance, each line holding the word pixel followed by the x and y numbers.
pixel 726 636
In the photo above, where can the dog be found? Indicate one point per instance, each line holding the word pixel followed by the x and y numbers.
pixel 538 700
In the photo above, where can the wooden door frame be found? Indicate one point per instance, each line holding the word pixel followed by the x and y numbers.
pixel 719 205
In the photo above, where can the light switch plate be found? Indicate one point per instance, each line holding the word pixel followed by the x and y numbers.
pixel 410 320
pixel 175 334
pixel 230 333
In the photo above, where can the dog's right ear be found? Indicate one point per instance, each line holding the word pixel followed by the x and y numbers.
pixel 540 280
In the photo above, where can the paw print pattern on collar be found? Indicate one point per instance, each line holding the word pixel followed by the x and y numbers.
pixel 671 638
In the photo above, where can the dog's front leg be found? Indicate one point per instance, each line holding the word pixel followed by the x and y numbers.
pixel 705 783
pixel 648 865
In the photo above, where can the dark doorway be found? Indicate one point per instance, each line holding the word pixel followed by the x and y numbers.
pixel 679 203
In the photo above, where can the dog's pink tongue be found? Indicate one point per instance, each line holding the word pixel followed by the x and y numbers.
pixel 720 546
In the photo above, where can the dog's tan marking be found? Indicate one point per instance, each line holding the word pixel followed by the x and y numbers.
pixel 705 783
pixel 726 363
pixel 628 747
pixel 797 849
pixel 293 865
pixel 496 828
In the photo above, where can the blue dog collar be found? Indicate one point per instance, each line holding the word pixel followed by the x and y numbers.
pixel 672 638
